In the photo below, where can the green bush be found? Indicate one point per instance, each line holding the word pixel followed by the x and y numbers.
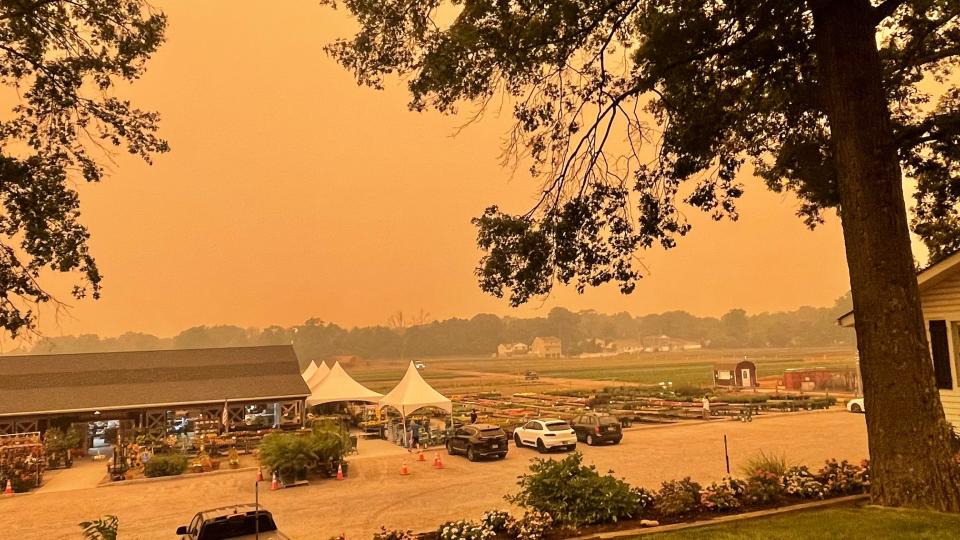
pixel 104 528
pixel 763 488
pixel 678 497
pixel 168 465
pixel 575 494
pixel 287 454
pixel 722 496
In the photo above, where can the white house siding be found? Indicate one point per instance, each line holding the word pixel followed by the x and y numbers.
pixel 941 301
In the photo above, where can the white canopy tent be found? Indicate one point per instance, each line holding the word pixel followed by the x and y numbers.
pixel 311 369
pixel 317 376
pixel 412 393
pixel 338 386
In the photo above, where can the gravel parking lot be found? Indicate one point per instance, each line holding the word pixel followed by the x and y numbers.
pixel 375 494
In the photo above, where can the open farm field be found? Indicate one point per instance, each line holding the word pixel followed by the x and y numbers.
pixel 683 368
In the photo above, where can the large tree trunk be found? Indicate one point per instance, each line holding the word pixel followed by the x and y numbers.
pixel 908 435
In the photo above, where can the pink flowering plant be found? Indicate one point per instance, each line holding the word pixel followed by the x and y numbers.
pixel 798 481
pixel 723 496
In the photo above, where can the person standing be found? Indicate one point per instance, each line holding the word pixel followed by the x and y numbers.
pixel 473 416
pixel 706 408
pixel 415 435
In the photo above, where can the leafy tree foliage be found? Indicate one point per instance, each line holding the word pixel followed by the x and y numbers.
pixel 64 59
pixel 480 335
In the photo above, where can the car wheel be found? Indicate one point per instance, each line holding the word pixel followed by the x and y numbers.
pixel 470 455
pixel 540 446
pixel 590 440
pixel 517 441
pixel 856 408
pixel 450 449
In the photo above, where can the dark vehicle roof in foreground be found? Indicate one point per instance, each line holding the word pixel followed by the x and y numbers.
pixel 484 427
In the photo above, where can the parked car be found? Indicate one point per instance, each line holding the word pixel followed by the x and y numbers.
pixel 546 434
pixel 478 440
pixel 596 428
pixel 855 405
pixel 420 365
pixel 238 522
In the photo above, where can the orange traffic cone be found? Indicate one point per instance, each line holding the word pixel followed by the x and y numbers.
pixel 339 471
pixel 403 469
pixel 259 474
pixel 439 463
pixel 436 458
pixel 9 489
pixel 420 456
pixel 275 484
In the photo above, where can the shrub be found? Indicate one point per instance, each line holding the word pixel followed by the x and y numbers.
pixel 678 497
pixel 773 463
pixel 104 528
pixel 646 499
pixel 287 454
pixel 464 530
pixel 574 494
pixel 763 487
pixel 532 526
pixel 800 482
pixel 165 465
pixel 723 496
pixel 393 534
pixel 498 521
pixel 841 478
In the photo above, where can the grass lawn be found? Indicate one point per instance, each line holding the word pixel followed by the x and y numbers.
pixel 845 522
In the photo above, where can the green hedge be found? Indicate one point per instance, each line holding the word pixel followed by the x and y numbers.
pixel 171 465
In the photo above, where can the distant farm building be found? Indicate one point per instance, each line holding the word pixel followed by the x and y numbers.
pixel 627 346
pixel 740 375
pixel 820 378
pixel 506 350
pixel 667 343
pixel 546 347
pixel 940 300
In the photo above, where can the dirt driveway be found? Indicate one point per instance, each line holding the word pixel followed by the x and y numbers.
pixel 375 494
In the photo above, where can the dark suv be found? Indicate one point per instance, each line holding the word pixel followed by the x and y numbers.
pixel 238 522
pixel 478 440
pixel 595 428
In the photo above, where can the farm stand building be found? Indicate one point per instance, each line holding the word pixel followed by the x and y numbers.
pixel 143 389
pixel 940 300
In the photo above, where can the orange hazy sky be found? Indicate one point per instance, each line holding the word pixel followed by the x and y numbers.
pixel 290 193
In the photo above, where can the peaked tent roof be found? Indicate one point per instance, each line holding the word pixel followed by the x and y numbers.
pixel 318 375
pixel 338 386
pixel 412 393
pixel 307 373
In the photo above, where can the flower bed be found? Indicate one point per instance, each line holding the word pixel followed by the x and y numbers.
pixel 554 498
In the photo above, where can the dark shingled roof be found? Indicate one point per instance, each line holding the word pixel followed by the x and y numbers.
pixel 36 384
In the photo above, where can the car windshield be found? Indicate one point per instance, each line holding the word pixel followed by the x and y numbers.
pixel 236 526
pixel 494 432
pixel 558 426
pixel 608 420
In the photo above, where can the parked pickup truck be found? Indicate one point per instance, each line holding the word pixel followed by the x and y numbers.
pixel 237 522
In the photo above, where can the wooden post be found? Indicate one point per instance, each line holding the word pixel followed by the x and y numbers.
pixel 726 453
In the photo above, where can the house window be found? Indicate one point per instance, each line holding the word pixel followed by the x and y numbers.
pixel 940 350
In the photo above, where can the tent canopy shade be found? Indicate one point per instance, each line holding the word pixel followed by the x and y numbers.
pixel 413 393
pixel 309 371
pixel 338 386
pixel 318 375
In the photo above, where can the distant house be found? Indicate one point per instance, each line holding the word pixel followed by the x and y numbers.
pixel 628 346
pixel 740 375
pixel 506 350
pixel 940 301
pixel 546 347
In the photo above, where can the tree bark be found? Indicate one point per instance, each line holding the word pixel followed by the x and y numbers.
pixel 909 438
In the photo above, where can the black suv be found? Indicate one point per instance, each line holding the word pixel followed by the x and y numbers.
pixel 596 428
pixel 238 522
pixel 478 440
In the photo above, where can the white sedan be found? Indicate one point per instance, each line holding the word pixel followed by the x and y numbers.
pixel 546 434
pixel 856 405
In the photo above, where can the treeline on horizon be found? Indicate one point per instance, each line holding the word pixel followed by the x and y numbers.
pixel 480 335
